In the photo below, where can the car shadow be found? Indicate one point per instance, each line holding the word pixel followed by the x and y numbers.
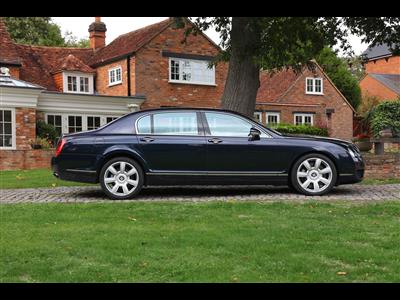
pixel 214 191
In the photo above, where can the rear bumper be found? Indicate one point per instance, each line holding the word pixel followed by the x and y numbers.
pixel 76 175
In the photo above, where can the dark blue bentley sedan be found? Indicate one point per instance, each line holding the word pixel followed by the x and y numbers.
pixel 202 147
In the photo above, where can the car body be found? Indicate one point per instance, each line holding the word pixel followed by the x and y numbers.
pixel 196 146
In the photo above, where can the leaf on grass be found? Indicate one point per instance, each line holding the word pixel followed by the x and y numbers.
pixel 19 177
pixel 132 218
pixel 53 184
pixel 234 279
pixel 341 273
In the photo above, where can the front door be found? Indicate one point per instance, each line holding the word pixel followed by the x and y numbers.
pixel 230 152
pixel 171 142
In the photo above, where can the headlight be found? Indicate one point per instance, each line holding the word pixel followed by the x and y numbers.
pixel 353 155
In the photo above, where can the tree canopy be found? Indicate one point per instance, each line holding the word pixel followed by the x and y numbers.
pixel 273 43
pixel 40 31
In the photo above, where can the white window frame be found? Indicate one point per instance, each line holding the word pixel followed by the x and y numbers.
pixel 115 82
pixel 273 114
pixel 258 115
pixel 180 72
pixel 46 116
pixel 13 130
pixel 64 120
pixel 313 92
pixel 303 115
pixel 78 77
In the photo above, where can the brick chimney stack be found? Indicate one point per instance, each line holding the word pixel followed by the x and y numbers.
pixel 97 34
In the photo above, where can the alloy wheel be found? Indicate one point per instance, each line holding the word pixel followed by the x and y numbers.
pixel 314 175
pixel 121 178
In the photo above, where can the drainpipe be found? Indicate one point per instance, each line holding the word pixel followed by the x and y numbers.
pixel 128 61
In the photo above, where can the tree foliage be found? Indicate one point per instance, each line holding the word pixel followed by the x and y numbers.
pixel 40 31
pixel 282 42
pixel 337 70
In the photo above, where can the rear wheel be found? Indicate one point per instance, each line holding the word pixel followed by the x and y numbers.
pixel 314 175
pixel 121 178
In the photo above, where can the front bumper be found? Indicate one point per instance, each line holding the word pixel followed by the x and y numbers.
pixel 357 175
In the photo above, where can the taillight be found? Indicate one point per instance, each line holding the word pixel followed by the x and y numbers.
pixel 60 145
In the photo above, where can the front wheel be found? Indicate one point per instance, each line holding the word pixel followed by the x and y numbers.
pixel 121 178
pixel 313 175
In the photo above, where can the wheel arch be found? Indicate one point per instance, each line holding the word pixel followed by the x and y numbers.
pixel 315 151
pixel 124 152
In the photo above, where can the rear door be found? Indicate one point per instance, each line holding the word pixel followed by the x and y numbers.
pixel 172 141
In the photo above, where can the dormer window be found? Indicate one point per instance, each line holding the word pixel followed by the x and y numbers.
pixel 78 83
pixel 115 76
pixel 314 86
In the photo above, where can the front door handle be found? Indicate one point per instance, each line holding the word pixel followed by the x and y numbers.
pixel 146 139
pixel 215 141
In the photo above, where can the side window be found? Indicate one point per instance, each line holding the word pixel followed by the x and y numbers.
pixel 179 123
pixel 226 125
pixel 144 125
pixel 123 125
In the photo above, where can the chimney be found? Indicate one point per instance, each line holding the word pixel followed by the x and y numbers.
pixel 97 34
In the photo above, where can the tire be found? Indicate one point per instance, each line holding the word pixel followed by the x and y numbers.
pixel 129 181
pixel 321 179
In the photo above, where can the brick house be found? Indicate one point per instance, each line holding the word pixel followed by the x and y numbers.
pixel 83 88
pixel 382 73
pixel 307 97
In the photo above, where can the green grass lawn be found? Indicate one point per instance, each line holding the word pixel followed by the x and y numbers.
pixel 44 178
pixel 200 242
pixel 32 179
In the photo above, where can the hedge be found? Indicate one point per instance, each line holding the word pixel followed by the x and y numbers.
pixel 386 115
pixel 300 129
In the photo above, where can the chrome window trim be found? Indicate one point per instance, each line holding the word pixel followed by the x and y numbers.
pixel 201 111
pixel 172 111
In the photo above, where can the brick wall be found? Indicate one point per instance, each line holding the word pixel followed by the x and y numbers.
pixel 152 72
pixel 372 87
pixel 382 166
pixel 340 123
pixel 25 127
pixel 25 159
pixel 102 86
pixel 389 65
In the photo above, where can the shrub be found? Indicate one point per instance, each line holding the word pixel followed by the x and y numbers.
pixel 42 142
pixel 46 131
pixel 300 129
pixel 386 116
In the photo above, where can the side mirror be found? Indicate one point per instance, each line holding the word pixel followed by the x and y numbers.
pixel 254 134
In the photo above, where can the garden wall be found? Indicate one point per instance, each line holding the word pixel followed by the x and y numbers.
pixel 25 159
pixel 382 166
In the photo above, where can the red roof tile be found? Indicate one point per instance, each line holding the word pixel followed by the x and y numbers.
pixel 39 62
pixel 72 63
pixel 8 51
pixel 273 86
pixel 129 42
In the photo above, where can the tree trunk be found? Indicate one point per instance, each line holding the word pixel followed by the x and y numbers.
pixel 243 78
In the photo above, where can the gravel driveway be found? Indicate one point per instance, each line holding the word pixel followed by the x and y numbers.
pixel 91 194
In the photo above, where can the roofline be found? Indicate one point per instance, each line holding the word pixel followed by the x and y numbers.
pixel 21 87
pixel 331 82
pixel 114 59
pixel 122 56
pixel 381 83
pixel 96 95
pixel 378 57
pixel 11 63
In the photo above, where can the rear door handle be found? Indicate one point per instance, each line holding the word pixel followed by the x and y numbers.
pixel 215 141
pixel 146 139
